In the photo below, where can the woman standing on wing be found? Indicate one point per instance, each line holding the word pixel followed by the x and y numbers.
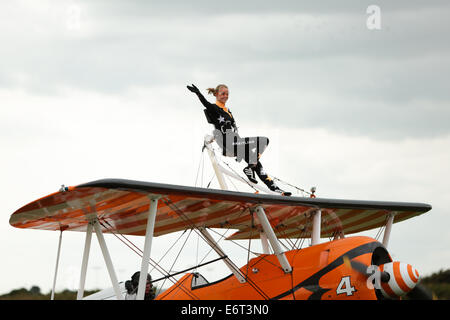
pixel 226 135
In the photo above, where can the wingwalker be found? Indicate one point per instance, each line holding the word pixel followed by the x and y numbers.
pixel 345 267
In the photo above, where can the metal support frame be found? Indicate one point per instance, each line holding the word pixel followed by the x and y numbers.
pixel 107 258
pixel 221 171
pixel 264 242
pixel 57 265
pixel 212 157
pixel 214 245
pixel 147 247
pixel 94 225
pixel 84 263
pixel 268 230
pixel 387 230
pixel 316 228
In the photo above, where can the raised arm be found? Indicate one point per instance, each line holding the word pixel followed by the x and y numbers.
pixel 203 100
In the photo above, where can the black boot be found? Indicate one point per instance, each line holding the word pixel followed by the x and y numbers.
pixel 268 180
pixel 273 187
pixel 250 173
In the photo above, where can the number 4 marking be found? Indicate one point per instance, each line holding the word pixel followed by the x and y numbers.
pixel 345 287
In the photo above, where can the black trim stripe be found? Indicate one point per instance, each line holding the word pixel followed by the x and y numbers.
pixel 312 283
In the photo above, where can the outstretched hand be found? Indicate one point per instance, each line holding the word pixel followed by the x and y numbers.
pixel 193 89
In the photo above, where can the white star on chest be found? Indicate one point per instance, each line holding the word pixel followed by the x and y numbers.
pixel 221 119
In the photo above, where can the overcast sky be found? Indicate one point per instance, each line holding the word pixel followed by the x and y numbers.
pixel 358 107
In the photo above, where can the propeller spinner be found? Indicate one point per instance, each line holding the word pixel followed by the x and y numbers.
pixel 402 279
pixel 393 279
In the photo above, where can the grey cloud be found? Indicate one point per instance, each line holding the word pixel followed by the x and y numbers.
pixel 138 8
pixel 317 61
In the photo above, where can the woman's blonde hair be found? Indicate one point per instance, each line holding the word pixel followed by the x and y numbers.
pixel 216 90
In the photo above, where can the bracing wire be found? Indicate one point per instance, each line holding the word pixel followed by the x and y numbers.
pixel 196 254
pixel 180 213
pixel 241 178
pixel 250 243
pixel 291 185
pixel 380 230
pixel 159 261
pixel 139 252
pixel 244 180
pixel 262 257
pixel 178 255
pixel 231 181
pixel 201 163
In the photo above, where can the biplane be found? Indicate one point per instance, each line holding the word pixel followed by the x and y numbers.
pixel 345 267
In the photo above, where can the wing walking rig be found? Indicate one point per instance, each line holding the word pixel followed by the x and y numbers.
pixel 344 268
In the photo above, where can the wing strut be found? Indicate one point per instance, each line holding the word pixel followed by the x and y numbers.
pixel 387 231
pixel 84 263
pixel 264 242
pixel 147 247
pixel 57 265
pixel 317 220
pixel 213 244
pixel 273 239
pixel 107 258
pixel 94 225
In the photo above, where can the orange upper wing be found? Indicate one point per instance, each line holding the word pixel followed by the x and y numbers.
pixel 122 206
